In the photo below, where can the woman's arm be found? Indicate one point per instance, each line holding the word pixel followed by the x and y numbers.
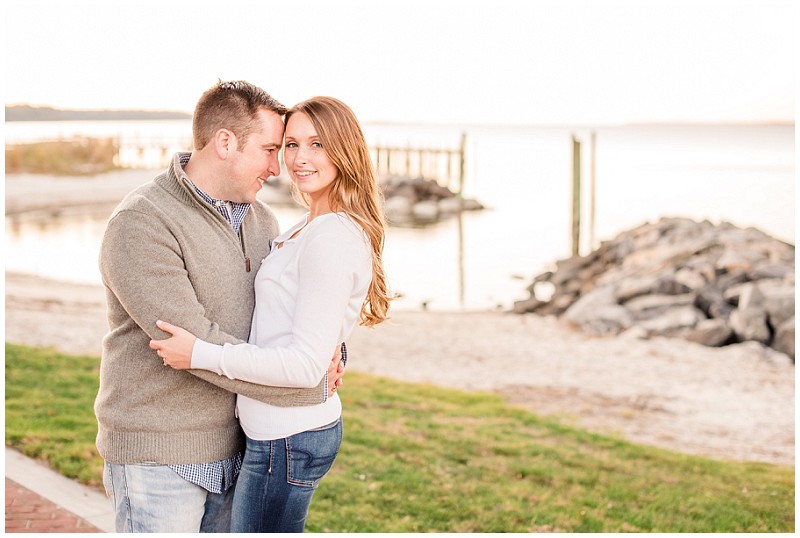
pixel 140 258
pixel 330 267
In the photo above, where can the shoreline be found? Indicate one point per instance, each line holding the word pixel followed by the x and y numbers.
pixel 733 403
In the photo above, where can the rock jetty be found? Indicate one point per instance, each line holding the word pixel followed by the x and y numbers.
pixel 408 201
pixel 711 284
pixel 420 200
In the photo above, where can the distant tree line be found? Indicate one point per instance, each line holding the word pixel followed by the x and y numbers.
pixel 43 113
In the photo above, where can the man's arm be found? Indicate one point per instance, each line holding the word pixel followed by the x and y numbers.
pixel 140 262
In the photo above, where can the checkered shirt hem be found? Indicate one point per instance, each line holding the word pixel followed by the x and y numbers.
pixel 215 477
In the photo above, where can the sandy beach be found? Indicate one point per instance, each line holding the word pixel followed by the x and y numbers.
pixel 735 402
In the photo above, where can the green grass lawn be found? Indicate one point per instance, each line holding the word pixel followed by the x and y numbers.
pixel 417 459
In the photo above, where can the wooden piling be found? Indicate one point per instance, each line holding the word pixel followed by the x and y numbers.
pixel 426 161
pixel 463 166
pixel 592 193
pixel 576 196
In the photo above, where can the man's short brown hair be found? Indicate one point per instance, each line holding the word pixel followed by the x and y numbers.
pixel 233 106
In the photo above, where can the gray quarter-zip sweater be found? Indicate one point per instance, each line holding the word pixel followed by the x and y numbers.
pixel 167 254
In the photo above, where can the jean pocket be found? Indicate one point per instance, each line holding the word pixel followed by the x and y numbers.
pixel 310 455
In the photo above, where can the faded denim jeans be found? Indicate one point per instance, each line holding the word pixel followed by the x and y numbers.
pixel 154 498
pixel 279 477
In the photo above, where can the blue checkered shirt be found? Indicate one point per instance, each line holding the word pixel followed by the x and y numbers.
pixel 233 212
pixel 216 476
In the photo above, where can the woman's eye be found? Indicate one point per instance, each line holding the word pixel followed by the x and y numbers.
pixel 291 145
pixel 316 145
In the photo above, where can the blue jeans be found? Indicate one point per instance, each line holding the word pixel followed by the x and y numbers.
pixel 278 478
pixel 154 498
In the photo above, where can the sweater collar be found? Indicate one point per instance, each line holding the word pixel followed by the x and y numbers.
pixel 177 182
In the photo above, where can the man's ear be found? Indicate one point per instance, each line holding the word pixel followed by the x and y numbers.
pixel 224 143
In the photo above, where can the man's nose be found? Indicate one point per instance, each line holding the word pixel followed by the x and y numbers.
pixel 274 166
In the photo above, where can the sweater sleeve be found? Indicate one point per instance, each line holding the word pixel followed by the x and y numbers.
pixel 328 274
pixel 140 259
pixel 141 262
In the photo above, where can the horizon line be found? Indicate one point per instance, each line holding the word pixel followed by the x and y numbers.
pixel 449 123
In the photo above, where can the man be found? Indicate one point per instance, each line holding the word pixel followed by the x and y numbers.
pixel 186 248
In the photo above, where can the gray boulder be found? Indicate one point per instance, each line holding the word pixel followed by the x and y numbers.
pixel 710 332
pixel 713 284
pixel 779 303
pixel 598 312
pixel 449 205
pixel 527 305
pixel 397 208
pixel 771 270
pixel 712 302
pixel 784 338
pixel 654 305
pixel 749 320
pixel 689 278
pixel 426 210
pixel 673 321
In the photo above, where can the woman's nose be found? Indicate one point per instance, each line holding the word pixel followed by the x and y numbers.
pixel 301 154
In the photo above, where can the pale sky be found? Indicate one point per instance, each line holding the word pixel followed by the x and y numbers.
pixel 493 61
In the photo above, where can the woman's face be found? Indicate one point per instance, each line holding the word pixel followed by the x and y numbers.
pixel 306 160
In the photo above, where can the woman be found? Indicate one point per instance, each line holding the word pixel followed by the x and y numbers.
pixel 321 276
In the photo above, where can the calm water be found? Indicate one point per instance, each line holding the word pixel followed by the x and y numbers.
pixel 742 174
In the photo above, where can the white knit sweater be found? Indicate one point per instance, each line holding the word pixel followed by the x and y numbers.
pixel 309 294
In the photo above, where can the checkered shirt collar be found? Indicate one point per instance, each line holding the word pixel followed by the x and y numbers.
pixel 232 212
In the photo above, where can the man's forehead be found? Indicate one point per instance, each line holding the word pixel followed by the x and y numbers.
pixel 272 127
pixel 269 117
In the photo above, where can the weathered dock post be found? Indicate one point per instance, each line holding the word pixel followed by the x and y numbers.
pixel 576 196
pixel 425 161
pixel 463 165
pixel 592 193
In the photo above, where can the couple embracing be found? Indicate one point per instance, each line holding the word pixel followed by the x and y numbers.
pixel 219 324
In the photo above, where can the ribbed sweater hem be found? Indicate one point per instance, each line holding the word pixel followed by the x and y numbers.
pixel 168 448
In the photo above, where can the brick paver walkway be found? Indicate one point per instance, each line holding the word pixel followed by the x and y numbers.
pixel 27 511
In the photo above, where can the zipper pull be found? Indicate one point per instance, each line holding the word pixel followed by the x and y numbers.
pixel 247 263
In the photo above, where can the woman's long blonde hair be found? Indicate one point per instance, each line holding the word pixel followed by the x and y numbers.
pixel 355 190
